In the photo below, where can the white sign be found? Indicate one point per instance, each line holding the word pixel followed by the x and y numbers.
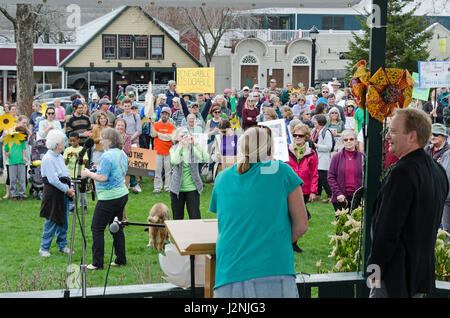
pixel 434 74
pixel 279 137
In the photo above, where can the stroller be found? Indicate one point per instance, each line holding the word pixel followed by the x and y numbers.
pixel 38 150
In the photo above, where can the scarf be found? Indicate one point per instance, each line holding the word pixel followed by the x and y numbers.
pixel 299 151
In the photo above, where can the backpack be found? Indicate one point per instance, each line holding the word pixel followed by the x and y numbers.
pixel 333 142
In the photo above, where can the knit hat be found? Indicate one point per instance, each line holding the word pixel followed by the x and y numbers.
pixel 76 102
pixel 122 96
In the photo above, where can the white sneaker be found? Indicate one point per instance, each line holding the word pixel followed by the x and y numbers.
pixel 44 253
pixel 138 188
pixel 65 250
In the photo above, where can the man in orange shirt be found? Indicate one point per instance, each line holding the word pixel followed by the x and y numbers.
pixel 162 132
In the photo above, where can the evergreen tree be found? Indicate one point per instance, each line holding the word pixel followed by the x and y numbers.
pixel 406 39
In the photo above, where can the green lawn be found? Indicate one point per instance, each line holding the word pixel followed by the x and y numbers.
pixel 22 269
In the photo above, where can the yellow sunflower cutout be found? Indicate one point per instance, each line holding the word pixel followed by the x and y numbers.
pixel 44 108
pixel 7 122
pixel 15 137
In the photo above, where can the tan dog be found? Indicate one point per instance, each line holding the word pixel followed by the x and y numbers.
pixel 157 235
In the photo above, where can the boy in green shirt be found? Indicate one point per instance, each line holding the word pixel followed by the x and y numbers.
pixel 16 154
pixel 70 157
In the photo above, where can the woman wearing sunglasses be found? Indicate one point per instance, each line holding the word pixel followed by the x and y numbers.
pixel 303 160
pixel 49 123
pixel 345 175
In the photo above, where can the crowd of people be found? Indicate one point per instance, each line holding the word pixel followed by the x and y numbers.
pixel 203 135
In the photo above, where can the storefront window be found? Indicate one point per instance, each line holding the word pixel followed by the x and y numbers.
pixel 163 77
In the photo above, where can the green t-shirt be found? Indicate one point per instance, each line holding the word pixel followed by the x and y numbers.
pixel 16 153
pixel 233 102
pixel 73 159
pixel 359 118
pixel 254 228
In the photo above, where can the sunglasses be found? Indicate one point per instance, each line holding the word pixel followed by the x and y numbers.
pixel 217 112
pixel 436 135
pixel 349 139
pixel 325 92
pixel 333 113
pixel 297 135
pixel 50 113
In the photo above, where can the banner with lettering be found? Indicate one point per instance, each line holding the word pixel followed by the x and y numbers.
pixel 141 162
pixel 195 80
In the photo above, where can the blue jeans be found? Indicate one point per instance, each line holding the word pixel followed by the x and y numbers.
pixel 282 286
pixel 51 228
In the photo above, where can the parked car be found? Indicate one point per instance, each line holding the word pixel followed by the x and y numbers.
pixel 51 94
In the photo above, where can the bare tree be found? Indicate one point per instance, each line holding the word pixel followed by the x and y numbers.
pixel 24 25
pixel 209 23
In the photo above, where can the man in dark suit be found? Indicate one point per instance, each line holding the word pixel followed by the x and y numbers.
pixel 408 211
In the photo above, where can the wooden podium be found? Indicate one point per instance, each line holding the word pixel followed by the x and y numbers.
pixel 197 237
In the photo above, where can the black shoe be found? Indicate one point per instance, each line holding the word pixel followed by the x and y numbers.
pixel 296 248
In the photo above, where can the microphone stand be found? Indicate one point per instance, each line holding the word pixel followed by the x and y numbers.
pixel 80 187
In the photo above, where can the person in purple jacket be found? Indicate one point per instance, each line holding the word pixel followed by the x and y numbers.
pixel 345 175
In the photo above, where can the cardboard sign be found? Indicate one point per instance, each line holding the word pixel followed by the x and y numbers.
pixel 195 80
pixel 141 162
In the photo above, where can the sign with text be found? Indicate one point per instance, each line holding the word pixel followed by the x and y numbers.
pixel 195 80
pixel 433 74
pixel 141 162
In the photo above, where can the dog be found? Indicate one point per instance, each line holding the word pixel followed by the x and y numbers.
pixel 158 235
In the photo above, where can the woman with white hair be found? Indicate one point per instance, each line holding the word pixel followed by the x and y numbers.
pixel 254 255
pixel 334 122
pixel 345 175
pixel 56 194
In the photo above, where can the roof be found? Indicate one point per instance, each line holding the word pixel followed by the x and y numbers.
pixel 88 32
pixel 431 8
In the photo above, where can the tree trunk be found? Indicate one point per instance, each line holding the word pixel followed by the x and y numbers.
pixel 24 35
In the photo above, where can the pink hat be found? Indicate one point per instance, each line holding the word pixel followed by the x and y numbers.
pixel 227 91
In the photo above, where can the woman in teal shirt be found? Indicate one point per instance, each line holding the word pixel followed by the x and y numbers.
pixel 112 197
pixel 260 211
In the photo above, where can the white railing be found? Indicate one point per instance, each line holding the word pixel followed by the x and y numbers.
pixel 269 35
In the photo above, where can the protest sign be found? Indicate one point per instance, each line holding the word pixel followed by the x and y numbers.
pixel 278 132
pixel 419 93
pixel 195 80
pixel 141 162
pixel 434 74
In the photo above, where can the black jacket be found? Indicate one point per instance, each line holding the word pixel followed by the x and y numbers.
pixel 52 205
pixel 407 214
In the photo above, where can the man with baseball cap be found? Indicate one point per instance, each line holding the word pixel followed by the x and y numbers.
pixel 438 141
pixel 103 106
pixel 273 89
pixel 162 132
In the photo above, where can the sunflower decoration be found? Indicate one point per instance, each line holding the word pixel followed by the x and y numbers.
pixel 14 137
pixel 44 108
pixel 359 83
pixel 7 122
pixel 389 88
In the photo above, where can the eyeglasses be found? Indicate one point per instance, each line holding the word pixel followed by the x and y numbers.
pixel 333 112
pixel 325 92
pixel 217 112
pixel 297 135
pixel 348 139
pixel 50 113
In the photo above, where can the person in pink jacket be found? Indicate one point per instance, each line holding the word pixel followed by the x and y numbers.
pixel 303 160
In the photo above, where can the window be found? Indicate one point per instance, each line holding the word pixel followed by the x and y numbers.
pixel 125 42
pixel 109 47
pixel 156 47
pixel 141 47
pixel 332 22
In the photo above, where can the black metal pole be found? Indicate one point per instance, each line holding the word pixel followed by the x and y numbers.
pixel 374 139
pixel 193 275
pixel 313 61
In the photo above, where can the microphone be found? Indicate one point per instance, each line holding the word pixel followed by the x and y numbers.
pixel 88 144
pixel 115 225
